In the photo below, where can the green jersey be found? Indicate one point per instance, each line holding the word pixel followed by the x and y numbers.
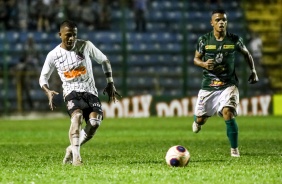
pixel 223 54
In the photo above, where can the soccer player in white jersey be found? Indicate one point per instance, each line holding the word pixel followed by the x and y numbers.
pixel 72 59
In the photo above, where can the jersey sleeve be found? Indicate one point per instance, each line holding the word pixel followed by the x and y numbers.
pixel 240 44
pixel 95 53
pixel 47 70
pixel 201 46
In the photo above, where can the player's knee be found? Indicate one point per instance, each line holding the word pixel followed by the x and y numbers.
pixel 95 119
pixel 228 113
pixel 95 122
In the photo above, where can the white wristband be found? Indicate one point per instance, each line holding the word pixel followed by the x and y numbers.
pixel 109 79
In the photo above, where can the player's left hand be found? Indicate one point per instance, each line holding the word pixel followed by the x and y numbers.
pixel 112 93
pixel 253 77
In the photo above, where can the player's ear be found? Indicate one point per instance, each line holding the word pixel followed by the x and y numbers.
pixel 60 34
pixel 211 23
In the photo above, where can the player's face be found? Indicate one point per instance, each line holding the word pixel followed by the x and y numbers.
pixel 68 37
pixel 219 22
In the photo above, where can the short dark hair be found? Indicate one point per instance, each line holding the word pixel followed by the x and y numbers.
pixel 68 23
pixel 219 11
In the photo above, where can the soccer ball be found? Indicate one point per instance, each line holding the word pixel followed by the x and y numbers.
pixel 177 156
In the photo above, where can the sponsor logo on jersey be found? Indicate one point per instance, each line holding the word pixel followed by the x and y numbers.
pixel 79 56
pixel 228 46
pixel 207 47
pixel 217 83
pixel 75 72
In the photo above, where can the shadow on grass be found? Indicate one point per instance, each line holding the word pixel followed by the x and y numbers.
pixel 262 154
pixel 208 160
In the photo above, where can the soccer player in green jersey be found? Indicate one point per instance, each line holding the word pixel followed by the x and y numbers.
pixel 219 93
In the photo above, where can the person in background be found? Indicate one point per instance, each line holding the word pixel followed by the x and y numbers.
pixel 4 15
pixel 72 59
pixel 40 13
pixel 140 13
pixel 255 46
pixel 24 83
pixel 104 15
pixel 215 54
pixel 27 69
pixel 213 3
pixel 88 15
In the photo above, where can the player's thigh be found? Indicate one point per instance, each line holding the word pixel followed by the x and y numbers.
pixel 206 104
pixel 73 106
pixel 94 109
pixel 79 101
pixel 229 98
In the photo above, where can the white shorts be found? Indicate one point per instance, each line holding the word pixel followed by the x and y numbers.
pixel 212 102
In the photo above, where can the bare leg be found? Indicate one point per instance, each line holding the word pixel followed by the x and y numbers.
pixel 91 127
pixel 85 135
pixel 74 132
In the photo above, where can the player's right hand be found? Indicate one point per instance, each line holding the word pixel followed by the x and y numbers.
pixel 209 64
pixel 50 94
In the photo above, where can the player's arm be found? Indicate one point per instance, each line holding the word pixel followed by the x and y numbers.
pixel 43 81
pixel 208 64
pixel 249 59
pixel 100 58
pixel 110 89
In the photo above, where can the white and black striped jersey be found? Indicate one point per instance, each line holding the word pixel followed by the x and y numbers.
pixel 74 67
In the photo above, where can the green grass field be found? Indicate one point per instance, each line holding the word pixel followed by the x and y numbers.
pixel 126 151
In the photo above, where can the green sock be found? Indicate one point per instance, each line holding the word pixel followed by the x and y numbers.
pixel 232 132
pixel 195 118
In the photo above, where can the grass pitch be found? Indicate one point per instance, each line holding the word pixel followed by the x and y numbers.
pixel 126 151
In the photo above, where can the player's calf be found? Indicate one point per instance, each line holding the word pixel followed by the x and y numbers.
pixel 74 133
pixel 90 129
